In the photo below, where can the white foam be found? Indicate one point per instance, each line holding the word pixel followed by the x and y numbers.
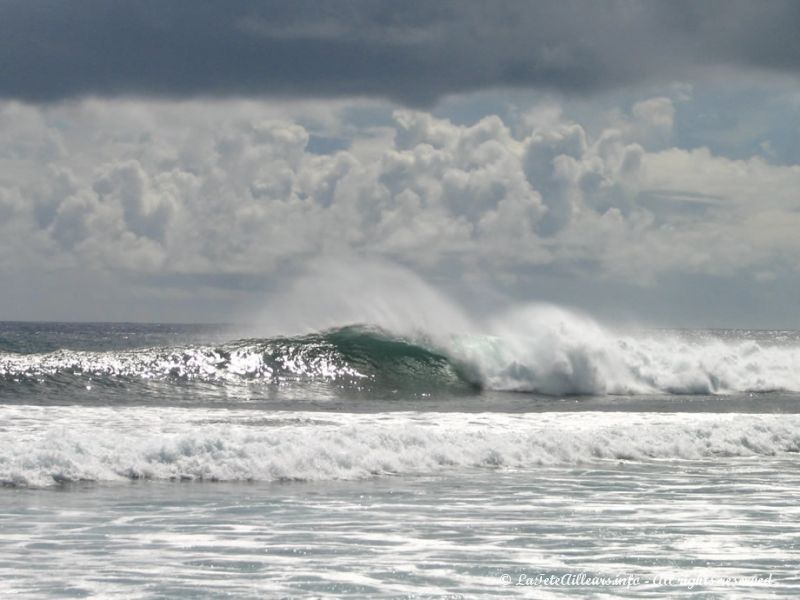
pixel 536 347
pixel 549 350
pixel 40 446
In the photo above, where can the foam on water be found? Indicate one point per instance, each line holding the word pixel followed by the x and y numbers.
pixel 380 327
pixel 41 446
pixel 549 350
pixel 539 349
pixel 437 536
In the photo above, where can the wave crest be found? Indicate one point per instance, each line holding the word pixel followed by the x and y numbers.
pixel 544 351
pixel 348 356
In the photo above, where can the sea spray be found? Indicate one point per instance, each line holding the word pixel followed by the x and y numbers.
pixel 538 349
pixel 344 292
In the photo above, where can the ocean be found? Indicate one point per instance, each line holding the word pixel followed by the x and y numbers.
pixel 198 461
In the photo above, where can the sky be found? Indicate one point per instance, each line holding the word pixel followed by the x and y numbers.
pixel 191 161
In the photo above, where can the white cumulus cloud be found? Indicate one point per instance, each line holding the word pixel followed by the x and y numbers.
pixel 177 189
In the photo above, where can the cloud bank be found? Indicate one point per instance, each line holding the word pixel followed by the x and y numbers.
pixel 413 52
pixel 229 193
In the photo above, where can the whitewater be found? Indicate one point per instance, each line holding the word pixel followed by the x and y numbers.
pixel 371 450
pixel 559 354
pixel 103 444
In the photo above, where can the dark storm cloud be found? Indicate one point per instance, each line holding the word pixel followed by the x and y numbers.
pixel 412 51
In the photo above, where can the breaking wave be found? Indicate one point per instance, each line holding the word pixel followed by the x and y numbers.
pixel 50 445
pixel 541 350
pixel 353 356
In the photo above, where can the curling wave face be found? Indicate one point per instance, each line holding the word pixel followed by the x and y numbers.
pixel 550 353
pixel 347 357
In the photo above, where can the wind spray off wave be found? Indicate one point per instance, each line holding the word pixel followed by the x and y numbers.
pixel 534 348
pixel 537 349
